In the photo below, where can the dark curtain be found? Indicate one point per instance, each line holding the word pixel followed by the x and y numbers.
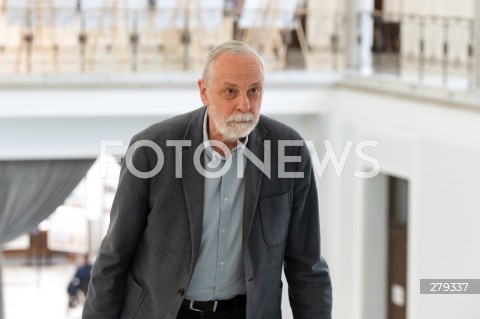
pixel 30 191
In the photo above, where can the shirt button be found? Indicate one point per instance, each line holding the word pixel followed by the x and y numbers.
pixel 225 199
pixel 181 292
pixel 223 231
pixel 222 263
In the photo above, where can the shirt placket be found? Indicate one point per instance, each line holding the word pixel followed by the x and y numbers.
pixel 225 214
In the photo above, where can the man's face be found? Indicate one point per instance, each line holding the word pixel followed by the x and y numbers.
pixel 233 95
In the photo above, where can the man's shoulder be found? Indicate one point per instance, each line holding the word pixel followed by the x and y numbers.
pixel 173 128
pixel 278 130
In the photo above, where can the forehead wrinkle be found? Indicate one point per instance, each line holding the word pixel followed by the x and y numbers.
pixel 232 76
pixel 223 77
pixel 241 67
pixel 228 83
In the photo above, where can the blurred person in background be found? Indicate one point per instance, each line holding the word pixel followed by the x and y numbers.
pixel 78 286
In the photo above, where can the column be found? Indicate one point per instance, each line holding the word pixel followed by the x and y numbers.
pixel 351 34
pixel 476 45
pixel 359 35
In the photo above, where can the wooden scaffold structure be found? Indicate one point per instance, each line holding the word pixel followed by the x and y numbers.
pixel 265 25
pixel 39 20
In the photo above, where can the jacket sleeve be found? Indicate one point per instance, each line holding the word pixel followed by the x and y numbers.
pixel 310 289
pixel 130 208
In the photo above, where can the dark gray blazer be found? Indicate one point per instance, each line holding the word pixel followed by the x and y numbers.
pixel 148 256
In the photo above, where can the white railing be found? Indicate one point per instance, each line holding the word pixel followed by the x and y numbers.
pixel 177 34
pixel 436 50
pixel 46 39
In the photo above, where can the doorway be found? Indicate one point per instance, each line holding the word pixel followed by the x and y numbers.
pixel 385 224
pixel 397 247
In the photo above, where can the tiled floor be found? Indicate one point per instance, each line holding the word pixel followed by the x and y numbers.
pixel 38 291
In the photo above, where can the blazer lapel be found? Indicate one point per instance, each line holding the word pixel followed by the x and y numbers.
pixel 253 179
pixel 193 183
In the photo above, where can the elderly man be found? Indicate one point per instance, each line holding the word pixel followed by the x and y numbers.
pixel 210 205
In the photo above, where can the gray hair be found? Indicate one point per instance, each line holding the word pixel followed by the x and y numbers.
pixel 232 47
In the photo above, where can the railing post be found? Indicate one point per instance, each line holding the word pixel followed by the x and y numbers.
pixel 82 41
pixel 351 34
pixel 378 18
pixel 472 72
pixel 400 45
pixel 134 42
pixel 29 38
pixel 362 31
pixel 421 44
pixel 186 39
pixel 334 41
pixel 476 50
pixel 445 52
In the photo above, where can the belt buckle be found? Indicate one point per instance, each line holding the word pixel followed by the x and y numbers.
pixel 191 306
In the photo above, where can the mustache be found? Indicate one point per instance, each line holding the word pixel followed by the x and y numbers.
pixel 241 117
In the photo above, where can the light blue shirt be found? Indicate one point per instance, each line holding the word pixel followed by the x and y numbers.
pixel 219 272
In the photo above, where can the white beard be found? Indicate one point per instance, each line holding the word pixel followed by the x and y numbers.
pixel 233 127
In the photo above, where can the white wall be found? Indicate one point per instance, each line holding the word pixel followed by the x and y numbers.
pixel 437 149
pixel 86 113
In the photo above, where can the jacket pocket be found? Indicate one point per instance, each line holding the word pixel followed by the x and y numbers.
pixel 134 296
pixel 275 217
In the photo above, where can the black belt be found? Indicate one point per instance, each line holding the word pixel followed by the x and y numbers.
pixel 214 305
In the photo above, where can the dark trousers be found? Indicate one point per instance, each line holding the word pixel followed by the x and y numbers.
pixel 238 311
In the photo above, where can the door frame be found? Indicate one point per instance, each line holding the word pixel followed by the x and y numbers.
pixel 374 244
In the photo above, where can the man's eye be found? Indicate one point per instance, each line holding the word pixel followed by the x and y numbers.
pixel 255 90
pixel 229 91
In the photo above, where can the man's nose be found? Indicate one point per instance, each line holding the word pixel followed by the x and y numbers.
pixel 243 103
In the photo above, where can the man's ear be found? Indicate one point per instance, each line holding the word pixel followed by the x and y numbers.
pixel 203 91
